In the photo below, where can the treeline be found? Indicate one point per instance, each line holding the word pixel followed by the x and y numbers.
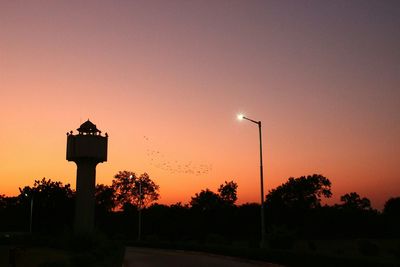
pixel 292 211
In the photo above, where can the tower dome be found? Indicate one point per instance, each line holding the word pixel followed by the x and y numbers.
pixel 88 128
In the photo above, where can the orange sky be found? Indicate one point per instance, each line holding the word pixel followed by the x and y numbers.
pixel 170 76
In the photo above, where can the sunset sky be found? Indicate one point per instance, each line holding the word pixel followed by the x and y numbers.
pixel 166 79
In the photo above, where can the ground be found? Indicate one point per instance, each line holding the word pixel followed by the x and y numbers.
pixel 145 257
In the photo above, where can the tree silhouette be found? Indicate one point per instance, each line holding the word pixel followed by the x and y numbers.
pixel 53 204
pixel 391 215
pixel 353 201
pixel 13 214
pixel 105 197
pixel 301 193
pixel 130 189
pixel 294 206
pixel 392 207
pixel 47 189
pixel 228 192
pixel 206 200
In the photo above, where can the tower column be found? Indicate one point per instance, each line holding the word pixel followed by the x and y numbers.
pixel 85 197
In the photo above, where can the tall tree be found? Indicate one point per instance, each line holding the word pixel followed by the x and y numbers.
pixel 105 197
pixel 392 207
pixel 134 190
pixel 353 201
pixel 300 193
pixel 391 212
pixel 48 192
pixel 206 200
pixel 52 204
pixel 228 192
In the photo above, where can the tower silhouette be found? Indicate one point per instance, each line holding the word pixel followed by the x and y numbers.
pixel 86 149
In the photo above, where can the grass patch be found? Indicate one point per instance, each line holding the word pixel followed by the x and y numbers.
pixel 45 251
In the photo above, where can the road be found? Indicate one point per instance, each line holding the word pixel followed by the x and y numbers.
pixel 145 257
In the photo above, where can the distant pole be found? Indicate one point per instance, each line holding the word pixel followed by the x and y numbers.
pixel 30 213
pixel 263 232
pixel 140 211
pixel 31 216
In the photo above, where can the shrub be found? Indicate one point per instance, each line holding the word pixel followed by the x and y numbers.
pixel 280 238
pixel 367 248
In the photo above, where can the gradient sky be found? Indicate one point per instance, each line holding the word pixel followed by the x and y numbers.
pixel 166 79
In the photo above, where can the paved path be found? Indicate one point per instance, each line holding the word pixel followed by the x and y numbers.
pixel 145 257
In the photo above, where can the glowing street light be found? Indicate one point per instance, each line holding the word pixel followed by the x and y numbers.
pixel 263 234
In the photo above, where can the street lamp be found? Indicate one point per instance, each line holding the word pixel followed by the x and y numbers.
pixel 139 209
pixel 263 233
pixel 31 213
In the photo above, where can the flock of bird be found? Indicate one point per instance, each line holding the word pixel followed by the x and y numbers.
pixel 159 160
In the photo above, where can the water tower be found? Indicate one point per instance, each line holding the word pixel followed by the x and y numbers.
pixel 86 149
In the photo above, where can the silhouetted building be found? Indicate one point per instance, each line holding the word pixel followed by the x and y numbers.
pixel 86 149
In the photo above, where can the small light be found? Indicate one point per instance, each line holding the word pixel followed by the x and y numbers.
pixel 240 117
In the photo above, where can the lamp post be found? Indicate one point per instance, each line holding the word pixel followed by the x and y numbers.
pixel 31 214
pixel 140 211
pixel 263 233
